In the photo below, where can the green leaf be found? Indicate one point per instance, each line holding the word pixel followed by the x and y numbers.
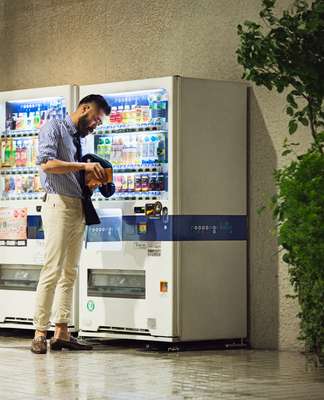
pixel 304 121
pixel 290 111
pixel 292 126
pixel 291 100
pixel 286 152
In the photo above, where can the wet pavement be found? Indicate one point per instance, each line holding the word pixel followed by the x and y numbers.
pixel 117 371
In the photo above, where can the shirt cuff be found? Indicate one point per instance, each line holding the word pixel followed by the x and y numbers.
pixel 44 159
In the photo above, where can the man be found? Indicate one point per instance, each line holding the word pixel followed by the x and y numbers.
pixel 63 218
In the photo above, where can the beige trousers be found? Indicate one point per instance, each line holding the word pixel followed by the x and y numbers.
pixel 64 223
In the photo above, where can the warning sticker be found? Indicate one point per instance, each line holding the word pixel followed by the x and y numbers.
pixel 154 249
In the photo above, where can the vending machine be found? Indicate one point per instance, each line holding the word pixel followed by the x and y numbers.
pixel 22 113
pixel 169 260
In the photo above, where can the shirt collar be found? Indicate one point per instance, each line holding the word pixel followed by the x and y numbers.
pixel 72 128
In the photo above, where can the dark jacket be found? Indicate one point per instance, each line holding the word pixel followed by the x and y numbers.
pixel 107 190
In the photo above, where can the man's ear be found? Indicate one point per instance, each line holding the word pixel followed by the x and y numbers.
pixel 84 108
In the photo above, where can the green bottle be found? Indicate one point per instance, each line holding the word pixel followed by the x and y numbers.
pixel 7 153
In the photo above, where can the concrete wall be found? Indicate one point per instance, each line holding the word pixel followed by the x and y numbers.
pixel 54 42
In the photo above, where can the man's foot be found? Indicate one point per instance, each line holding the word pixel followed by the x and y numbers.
pixel 39 345
pixel 57 344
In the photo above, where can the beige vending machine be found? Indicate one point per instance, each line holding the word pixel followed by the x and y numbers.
pixel 169 260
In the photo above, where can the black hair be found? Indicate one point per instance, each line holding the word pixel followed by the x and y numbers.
pixel 99 100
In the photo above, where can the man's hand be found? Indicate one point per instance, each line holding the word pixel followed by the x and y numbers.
pixel 96 169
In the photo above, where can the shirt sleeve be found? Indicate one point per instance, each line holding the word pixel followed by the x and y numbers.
pixel 47 143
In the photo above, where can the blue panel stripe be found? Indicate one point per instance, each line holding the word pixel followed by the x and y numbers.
pixel 169 228
pixel 164 228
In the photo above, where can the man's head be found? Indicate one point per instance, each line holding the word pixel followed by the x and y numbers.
pixel 90 113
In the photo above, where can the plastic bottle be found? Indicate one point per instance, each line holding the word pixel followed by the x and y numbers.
pixel 119 115
pixel 152 149
pixel 124 184
pixel 18 153
pixel 99 149
pixel 133 120
pixel 164 107
pixel 30 152
pixel 145 150
pixel 35 150
pixel 146 114
pixel 11 184
pixel 160 150
pixel 125 150
pixel 13 153
pixel 3 152
pixel 126 119
pixel 138 114
pixel 30 120
pixel 132 149
pixel 18 184
pixel 120 150
pixel 37 184
pixel 131 183
pixel 30 184
pixel 2 185
pixel 7 155
pixel 139 149
pixel 23 153
pixel 7 183
pixel 113 116
pixel 108 149
pixel 118 183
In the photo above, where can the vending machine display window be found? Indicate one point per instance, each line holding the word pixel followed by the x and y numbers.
pixel 19 178
pixel 134 139
pixel 22 115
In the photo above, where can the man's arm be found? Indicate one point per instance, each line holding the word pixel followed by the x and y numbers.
pixel 55 166
pixel 62 167
pixel 48 152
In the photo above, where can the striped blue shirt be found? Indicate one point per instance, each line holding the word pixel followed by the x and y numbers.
pixel 56 143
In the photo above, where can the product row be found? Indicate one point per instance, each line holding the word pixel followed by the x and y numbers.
pixel 126 149
pixel 136 149
pixel 19 152
pixel 140 182
pixel 19 184
pixel 125 183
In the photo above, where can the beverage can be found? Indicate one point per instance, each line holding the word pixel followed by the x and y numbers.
pixel 138 183
pixel 131 183
pixel 145 182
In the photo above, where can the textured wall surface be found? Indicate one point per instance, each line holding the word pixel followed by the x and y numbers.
pixel 54 42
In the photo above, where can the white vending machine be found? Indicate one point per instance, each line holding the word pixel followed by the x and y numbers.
pixel 22 113
pixel 169 260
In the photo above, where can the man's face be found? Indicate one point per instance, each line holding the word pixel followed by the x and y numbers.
pixel 90 118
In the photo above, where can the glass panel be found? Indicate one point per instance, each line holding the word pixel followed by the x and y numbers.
pixel 19 277
pixel 116 283
pixel 134 138
pixel 26 115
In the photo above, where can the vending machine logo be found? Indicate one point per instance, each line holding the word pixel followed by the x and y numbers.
pixel 90 305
